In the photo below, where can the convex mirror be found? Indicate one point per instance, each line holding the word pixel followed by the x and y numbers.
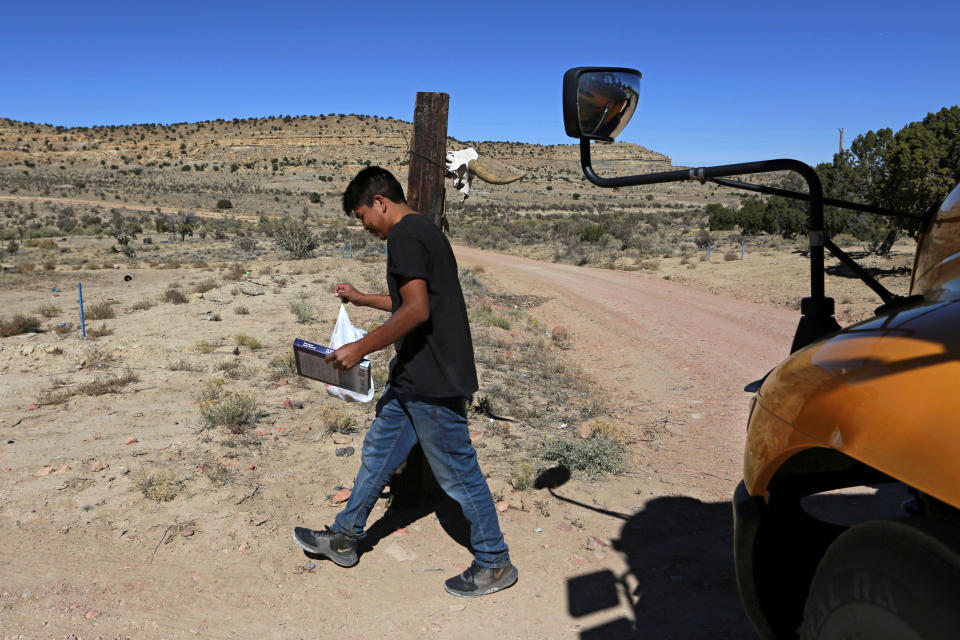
pixel 598 102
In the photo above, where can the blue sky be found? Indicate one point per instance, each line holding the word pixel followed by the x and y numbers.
pixel 723 82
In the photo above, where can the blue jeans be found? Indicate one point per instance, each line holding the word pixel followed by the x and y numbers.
pixel 440 425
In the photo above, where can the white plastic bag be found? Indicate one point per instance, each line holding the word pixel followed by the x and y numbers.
pixel 344 333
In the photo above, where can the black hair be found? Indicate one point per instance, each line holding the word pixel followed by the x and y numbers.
pixel 372 181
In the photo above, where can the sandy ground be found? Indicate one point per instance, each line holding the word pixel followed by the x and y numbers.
pixel 644 554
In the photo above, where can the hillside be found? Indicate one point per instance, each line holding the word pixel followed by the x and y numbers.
pixel 271 164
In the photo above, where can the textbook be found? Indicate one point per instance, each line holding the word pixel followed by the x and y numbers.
pixel 310 364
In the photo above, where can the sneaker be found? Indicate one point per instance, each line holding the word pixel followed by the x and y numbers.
pixel 340 548
pixel 479 581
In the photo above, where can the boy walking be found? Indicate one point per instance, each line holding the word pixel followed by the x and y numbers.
pixel 431 377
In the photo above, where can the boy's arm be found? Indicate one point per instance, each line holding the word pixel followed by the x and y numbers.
pixel 348 293
pixel 414 310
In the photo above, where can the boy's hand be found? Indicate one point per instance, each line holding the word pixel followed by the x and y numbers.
pixel 346 357
pixel 347 293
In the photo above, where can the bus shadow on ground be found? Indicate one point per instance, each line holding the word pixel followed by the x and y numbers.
pixel 680 582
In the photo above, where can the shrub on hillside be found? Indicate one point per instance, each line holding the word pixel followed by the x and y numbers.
pixel 296 239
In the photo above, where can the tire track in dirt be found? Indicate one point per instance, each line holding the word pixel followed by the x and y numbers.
pixel 674 359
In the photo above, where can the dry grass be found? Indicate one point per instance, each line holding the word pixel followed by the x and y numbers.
pixel 100 311
pixel 609 430
pixel 174 296
pixel 246 341
pixel 283 367
pixel 485 315
pixel 183 365
pixel 63 329
pixel 218 473
pixel 99 332
pixel 48 310
pixel 61 392
pixel 522 478
pixel 19 324
pixel 335 421
pixel 231 369
pixel 161 486
pixel 204 347
pixel 241 310
pixel 235 272
pixel 143 305
pixel 207 285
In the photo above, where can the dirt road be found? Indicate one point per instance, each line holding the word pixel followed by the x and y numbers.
pixel 674 359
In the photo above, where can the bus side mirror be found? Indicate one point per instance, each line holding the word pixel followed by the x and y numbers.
pixel 598 102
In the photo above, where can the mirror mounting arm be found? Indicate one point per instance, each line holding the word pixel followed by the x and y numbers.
pixel 817 309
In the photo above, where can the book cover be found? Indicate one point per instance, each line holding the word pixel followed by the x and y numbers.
pixel 310 364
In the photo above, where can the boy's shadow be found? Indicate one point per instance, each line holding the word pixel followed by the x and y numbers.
pixel 448 512
pixel 406 508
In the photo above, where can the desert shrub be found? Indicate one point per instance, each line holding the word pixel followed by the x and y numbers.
pixel 204 347
pixel 245 244
pixel 845 240
pixel 100 311
pixel 218 473
pixel 183 365
pixel 19 324
pixel 205 286
pixel 235 272
pixel 230 368
pixel 63 328
pixel 223 203
pixel 49 266
pixel 470 283
pixel 48 310
pixel 730 256
pixel 335 421
pixel 241 310
pixel 296 239
pixel 593 457
pixel 45 243
pixel 315 197
pixel 283 366
pixel 609 430
pixel 174 296
pixel 246 341
pixel 228 408
pixel 302 310
pixel 161 486
pixel 143 305
pixel 522 479
pixel 99 332
pixel 484 315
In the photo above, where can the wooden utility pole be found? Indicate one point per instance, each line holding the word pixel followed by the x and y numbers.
pixel 428 151
pixel 414 485
pixel 841 140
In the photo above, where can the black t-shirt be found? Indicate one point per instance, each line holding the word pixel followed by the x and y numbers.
pixel 436 358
